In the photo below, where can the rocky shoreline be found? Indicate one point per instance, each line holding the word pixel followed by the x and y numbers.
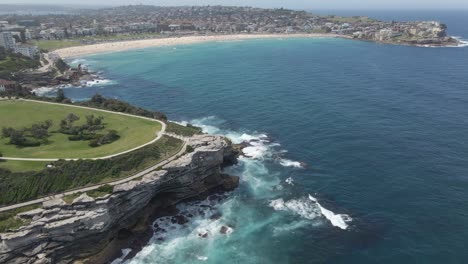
pixel 89 230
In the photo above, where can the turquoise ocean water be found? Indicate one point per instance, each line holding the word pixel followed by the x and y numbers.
pixel 358 151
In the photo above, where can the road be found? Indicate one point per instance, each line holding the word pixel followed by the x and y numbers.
pixel 158 136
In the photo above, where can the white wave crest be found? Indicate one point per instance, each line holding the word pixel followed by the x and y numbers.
pixel 338 220
pixel 462 42
pixel 98 82
pixel 256 150
pixel 301 207
pixel 290 163
pixel 311 209
pixel 45 90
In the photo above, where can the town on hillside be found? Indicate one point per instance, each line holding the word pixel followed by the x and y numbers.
pixel 88 25
pixel 25 39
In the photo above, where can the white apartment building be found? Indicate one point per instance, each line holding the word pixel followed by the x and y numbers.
pixel 7 41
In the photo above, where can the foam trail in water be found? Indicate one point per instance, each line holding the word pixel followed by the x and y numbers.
pixel 290 163
pixel 338 220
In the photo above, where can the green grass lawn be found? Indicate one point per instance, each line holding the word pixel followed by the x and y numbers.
pixel 133 131
pixel 51 45
pixel 23 166
pixel 8 221
pixel 13 64
pixel 186 131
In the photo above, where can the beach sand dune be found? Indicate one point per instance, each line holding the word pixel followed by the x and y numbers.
pixel 172 41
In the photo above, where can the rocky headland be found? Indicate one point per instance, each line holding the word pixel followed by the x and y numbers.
pixel 94 230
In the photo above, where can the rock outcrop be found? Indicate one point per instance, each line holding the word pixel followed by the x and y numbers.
pixel 422 33
pixel 62 233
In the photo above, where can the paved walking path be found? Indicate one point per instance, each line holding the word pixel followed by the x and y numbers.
pixel 158 136
pixel 94 187
pixel 117 182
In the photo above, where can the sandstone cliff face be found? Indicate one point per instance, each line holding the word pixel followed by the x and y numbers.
pixel 410 33
pixel 61 233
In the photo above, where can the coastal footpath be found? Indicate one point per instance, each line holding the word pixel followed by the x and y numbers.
pixel 94 230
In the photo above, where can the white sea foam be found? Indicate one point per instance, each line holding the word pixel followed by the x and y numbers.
pixel 256 150
pixel 45 90
pixel 290 163
pixel 290 181
pixel 48 90
pixel 301 207
pixel 125 253
pixel 290 227
pixel 200 231
pixel 98 82
pixel 311 209
pixel 463 42
pixel 338 220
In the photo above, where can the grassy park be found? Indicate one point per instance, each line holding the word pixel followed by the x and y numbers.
pixel 132 131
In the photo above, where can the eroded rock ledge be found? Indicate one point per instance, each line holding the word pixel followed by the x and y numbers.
pixel 63 233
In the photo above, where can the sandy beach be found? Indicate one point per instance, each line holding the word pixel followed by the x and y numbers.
pixel 161 42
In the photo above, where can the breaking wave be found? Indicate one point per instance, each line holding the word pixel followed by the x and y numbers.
pixel 196 224
pixel 301 207
pixel 50 91
pixel 192 234
pixel 290 163
pixel 309 208
pixel 463 42
pixel 338 220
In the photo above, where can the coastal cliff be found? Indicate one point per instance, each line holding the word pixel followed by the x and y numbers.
pixel 61 232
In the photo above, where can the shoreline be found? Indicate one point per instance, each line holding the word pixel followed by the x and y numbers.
pixel 118 46
pixel 111 47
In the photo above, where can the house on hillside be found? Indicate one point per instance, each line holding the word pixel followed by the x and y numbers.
pixel 27 50
pixel 5 84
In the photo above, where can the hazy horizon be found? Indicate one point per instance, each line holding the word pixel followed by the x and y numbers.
pixel 294 4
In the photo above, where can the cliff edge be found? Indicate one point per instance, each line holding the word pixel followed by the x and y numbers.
pixel 61 232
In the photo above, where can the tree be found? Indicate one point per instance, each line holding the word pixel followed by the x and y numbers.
pixel 60 96
pixel 48 124
pixel 39 132
pixel 72 118
pixel 7 131
pixel 17 138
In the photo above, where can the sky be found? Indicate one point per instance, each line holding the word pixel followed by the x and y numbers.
pixel 296 4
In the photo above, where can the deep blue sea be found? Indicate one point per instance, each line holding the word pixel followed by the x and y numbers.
pixel 358 151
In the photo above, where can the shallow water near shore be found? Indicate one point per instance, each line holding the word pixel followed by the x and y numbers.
pixel 357 150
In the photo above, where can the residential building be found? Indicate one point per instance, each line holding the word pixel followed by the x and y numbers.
pixel 27 50
pixel 7 41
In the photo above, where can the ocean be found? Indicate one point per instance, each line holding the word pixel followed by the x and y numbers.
pixel 358 151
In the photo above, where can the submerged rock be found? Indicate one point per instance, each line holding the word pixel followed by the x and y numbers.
pixel 225 230
pixel 179 219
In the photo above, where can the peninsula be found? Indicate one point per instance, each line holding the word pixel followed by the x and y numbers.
pixel 82 181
